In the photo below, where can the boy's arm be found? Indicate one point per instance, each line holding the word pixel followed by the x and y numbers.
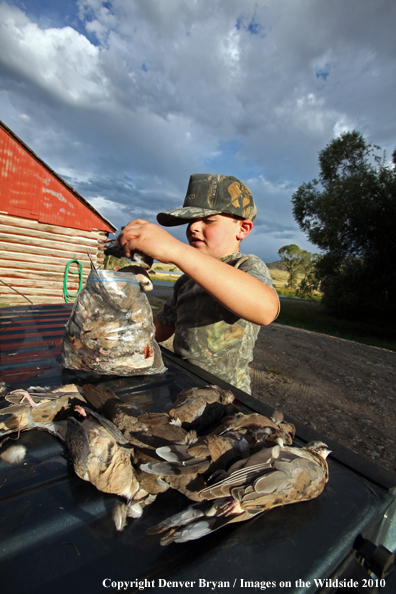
pixel 242 294
pixel 162 332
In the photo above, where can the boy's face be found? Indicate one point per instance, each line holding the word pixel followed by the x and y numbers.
pixel 217 235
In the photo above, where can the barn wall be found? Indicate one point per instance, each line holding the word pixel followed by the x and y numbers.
pixel 31 190
pixel 33 257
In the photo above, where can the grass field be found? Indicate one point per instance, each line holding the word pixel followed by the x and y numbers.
pixel 310 315
pixel 280 276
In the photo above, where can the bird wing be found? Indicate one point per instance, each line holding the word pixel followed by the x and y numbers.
pixel 99 459
pixel 15 418
pixel 108 425
pixel 98 396
pixel 191 404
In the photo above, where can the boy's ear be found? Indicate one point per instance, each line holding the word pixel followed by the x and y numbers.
pixel 245 226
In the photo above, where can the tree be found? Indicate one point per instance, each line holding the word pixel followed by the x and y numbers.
pixel 308 264
pixel 310 281
pixel 297 260
pixel 291 257
pixel 350 214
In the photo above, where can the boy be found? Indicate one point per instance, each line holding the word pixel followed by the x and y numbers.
pixel 223 297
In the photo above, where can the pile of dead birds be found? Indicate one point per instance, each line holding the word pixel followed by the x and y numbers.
pixel 232 465
pixel 111 329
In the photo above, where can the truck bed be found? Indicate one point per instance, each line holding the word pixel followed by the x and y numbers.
pixel 57 533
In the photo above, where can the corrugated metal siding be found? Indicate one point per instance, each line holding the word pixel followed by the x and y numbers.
pixel 33 257
pixel 30 189
pixel 44 224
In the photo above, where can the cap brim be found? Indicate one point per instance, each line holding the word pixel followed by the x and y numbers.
pixel 182 216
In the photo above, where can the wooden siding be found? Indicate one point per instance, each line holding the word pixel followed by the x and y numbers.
pixel 33 257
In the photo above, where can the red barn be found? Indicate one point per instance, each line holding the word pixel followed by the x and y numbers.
pixel 44 223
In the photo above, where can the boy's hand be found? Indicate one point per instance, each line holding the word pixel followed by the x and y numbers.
pixel 150 239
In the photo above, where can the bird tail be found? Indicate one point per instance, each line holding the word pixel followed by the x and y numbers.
pixel 192 466
pixel 196 521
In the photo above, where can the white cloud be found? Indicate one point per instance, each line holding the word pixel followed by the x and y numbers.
pixel 61 61
pixel 155 91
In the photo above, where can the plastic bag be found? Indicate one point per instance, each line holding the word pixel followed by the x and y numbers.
pixel 111 329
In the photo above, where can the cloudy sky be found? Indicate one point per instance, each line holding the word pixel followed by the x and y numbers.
pixel 126 98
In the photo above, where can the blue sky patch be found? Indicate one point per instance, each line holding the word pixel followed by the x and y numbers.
pixel 253 27
pixel 323 74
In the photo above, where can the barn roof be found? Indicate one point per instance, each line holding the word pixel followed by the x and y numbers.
pixel 30 188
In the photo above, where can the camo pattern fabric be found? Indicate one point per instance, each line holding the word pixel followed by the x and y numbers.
pixel 206 333
pixel 209 194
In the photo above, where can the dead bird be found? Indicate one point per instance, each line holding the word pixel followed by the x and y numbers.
pixel 99 457
pixel 138 258
pixel 45 411
pixel 201 405
pixel 198 407
pixel 38 394
pixel 236 437
pixel 145 431
pixel 205 454
pixel 269 431
pixel 111 329
pixel 270 478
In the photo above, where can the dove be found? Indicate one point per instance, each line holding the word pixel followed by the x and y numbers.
pixel 145 431
pixel 99 456
pixel 141 276
pixel 270 478
pixel 201 405
pixel 236 437
pixel 197 407
pixel 206 453
pixel 39 410
pixel 113 249
pixel 272 431
pixel 184 465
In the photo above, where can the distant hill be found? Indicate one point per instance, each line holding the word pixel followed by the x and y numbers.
pixel 160 266
pixel 276 265
pixel 279 275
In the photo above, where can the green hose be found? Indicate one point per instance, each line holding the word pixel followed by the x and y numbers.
pixel 67 297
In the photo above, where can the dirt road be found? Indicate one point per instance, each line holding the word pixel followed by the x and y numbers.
pixel 343 389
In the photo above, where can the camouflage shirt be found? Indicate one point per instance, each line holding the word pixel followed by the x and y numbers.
pixel 209 335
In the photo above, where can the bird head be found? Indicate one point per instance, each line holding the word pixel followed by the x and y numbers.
pixel 319 448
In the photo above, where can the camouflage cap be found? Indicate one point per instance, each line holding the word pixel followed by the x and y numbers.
pixel 209 194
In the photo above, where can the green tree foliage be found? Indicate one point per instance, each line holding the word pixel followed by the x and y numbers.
pixel 308 264
pixel 350 214
pixel 291 258
pixel 310 282
pixel 296 260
